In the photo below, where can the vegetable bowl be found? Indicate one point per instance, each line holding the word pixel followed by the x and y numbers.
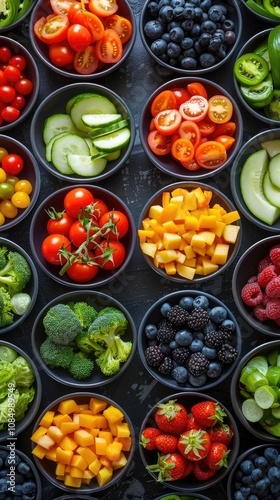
pixel 21 383
pixel 84 370
pixel 264 11
pixel 17 12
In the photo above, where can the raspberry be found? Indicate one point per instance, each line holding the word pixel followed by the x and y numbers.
pixel 260 312
pixel 264 263
pixel 274 255
pixel 272 289
pixel 252 279
pixel 252 294
pixel 273 309
pixel 267 274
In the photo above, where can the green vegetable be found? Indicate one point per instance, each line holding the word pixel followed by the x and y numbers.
pixel 7 353
pixel 55 355
pixel 6 312
pixel 7 373
pixel 61 324
pixel 81 367
pixel 250 68
pixel 84 312
pixel 16 273
pixel 272 110
pixel 258 95
pixel 20 303
pixel 260 10
pixel 8 11
pixel 274 54
pixel 22 397
pixel 23 374
pixel 273 7
pixel 3 256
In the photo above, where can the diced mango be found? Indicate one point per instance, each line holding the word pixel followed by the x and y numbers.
pixel 107 435
pixel 230 217
pixel 149 249
pixel 208 266
pixel 69 427
pixel 123 430
pixel 95 466
pixel 171 241
pixel 85 452
pixel 144 234
pixel 60 469
pixel 76 472
pixel 207 221
pixel 68 406
pixel 73 482
pixel 104 475
pixel 198 241
pixel 170 227
pixel 39 452
pixel 208 237
pixel 38 433
pixel 191 222
pixel 220 254
pixel 55 433
pixel 186 271
pixel 59 418
pixel 68 443
pixel 155 211
pixel 165 198
pixel 51 454
pixel 121 462
pixel 64 456
pixel 165 256
pixel 45 441
pixel 126 442
pixel 100 445
pixel 47 419
pixel 79 462
pixel 113 414
pixel 83 437
pixel 230 233
pixel 113 451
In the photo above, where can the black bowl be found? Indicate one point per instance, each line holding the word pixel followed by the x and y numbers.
pixel 178 494
pixel 23 14
pixel 260 12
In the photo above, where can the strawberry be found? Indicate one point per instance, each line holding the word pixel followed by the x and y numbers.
pixel 192 423
pixel 221 433
pixel 217 456
pixel 170 467
pixel 148 436
pixel 166 443
pixel 208 413
pixel 194 444
pixel 171 417
pixel 202 472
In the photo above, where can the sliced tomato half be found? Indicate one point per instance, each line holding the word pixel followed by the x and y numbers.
pixel 103 8
pixel 109 49
pixel 182 150
pixel 164 100
pixel 121 25
pixel 61 6
pixel 195 108
pixel 168 121
pixel 191 131
pixel 91 22
pixel 159 144
pixel 210 154
pixel 86 62
pixel 220 109
pixel 55 29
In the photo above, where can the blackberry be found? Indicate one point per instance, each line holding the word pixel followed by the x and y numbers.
pixel 166 367
pixel 180 355
pixel 177 315
pixel 166 332
pixel 198 364
pixel 198 318
pixel 214 338
pixel 153 355
pixel 227 335
pixel 227 353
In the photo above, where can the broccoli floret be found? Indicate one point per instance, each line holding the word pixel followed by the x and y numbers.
pixel 123 349
pixel 24 375
pixel 3 256
pixel 81 366
pixel 55 355
pixel 108 364
pixel 61 325
pixel 84 312
pixel 104 328
pixel 6 313
pixel 16 273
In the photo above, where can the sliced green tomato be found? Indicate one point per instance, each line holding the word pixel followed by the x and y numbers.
pixel 114 141
pixel 250 68
pixel 272 7
pixel 50 145
pixel 265 396
pixel 272 110
pixel 259 362
pixel 65 145
pixel 258 95
pixel 57 123
pixel 259 9
pixel 84 166
pixel 251 410
pixel 20 303
pixel 98 132
pixel 262 50
pixel 100 120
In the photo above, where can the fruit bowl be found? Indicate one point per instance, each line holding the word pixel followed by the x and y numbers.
pixel 31 73
pixel 59 102
pixel 98 301
pixel 262 454
pixel 254 203
pixel 79 59
pixel 251 415
pixel 192 269
pixel 99 409
pixel 190 483
pixel 162 158
pixel 247 267
pixel 258 11
pixel 28 395
pixel 28 478
pixel 16 18
pixel 189 59
pixel 38 234
pixel 177 374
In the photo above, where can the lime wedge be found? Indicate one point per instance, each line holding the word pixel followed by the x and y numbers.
pixel 251 410
pixel 260 362
pixel 265 396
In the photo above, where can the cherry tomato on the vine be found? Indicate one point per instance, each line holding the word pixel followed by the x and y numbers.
pixel 60 223
pixel 121 224
pixel 82 271
pixel 76 200
pixel 78 234
pixel 115 249
pixel 51 247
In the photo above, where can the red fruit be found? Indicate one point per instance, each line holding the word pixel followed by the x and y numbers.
pixel 274 255
pixel 217 456
pixel 252 294
pixel 192 423
pixel 202 472
pixel 260 312
pixel 266 275
pixel 194 444
pixel 148 438
pixel 170 467
pixel 273 308
pixel 166 443
pixel 208 413
pixel 171 417
pixel 272 289
pixel 264 263
pixel 221 433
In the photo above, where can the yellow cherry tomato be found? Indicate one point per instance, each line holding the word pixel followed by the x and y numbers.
pixel 8 209
pixel 12 179
pixel 2 219
pixel 3 175
pixel 3 153
pixel 23 185
pixel 20 199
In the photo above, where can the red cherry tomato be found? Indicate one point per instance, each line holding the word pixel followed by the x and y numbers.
pixel 82 272
pixel 112 248
pixel 51 247
pixel 18 61
pixel 76 200
pixel 181 94
pixel 18 102
pixel 195 108
pixel 190 130
pixel 24 86
pixel 197 88
pixel 5 54
pixel 168 121
pixel 182 149
pixel 159 144
pixel 12 74
pixel 121 25
pixel 86 61
pixel 10 114
pixel 103 8
pixel 109 48
pixel 61 54
pixel 60 224
pixel 78 234
pixel 7 93
pixel 121 223
pixel 164 100
pixel 91 22
pixel 61 6
pixel 99 208
pixel 12 164
pixel 55 29
pixel 210 154
pixel 78 37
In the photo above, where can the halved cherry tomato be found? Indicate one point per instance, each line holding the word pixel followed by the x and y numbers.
pixel 182 149
pixel 61 53
pixel 190 130
pixel 38 26
pixel 103 8
pixel 195 108
pixel 78 37
pixel 91 22
pixel 55 29
pixel 210 154
pixel 152 125
pixel 226 140
pixel 61 6
pixel 181 94
pixel 164 100
pixel 109 49
pixel 220 109
pixel 206 126
pixel 191 164
pixel 121 25
pixel 168 121
pixel 86 61
pixel 228 128
pixel 159 144
pixel 74 8
pixel 197 88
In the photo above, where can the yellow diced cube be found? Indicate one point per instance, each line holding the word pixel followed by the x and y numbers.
pixel 146 223
pixel 191 222
pixel 186 271
pixel 188 235
pixel 170 268
pixel 190 262
pixel 144 234
pixel 97 405
pixel 209 267
pixel 165 198
pixel 220 226
pixel 74 482
pixel 171 241
pixel 155 211
pixel 170 227
pixel 76 472
pixel 190 201
pixel 181 257
pixel 165 256
pixel 100 445
pixel 231 217
pixel 168 213
pixel 177 200
pixel 220 254
pixel 104 475
pixel 230 233
pixel 208 236
pixel 149 249
pixel 207 221
pixel 95 466
pixel 189 251
pixel 198 241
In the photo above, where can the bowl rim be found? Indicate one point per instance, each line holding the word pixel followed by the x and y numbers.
pixel 199 279
pixel 16 23
pixel 33 408
pixel 166 381
pixel 36 118
pixel 199 71
pixel 195 175
pixel 213 481
pixel 36 84
pixel 74 75
pixel 111 274
pixel 86 488
pixel 21 319
pixel 68 296
pixel 237 410
pixel 256 324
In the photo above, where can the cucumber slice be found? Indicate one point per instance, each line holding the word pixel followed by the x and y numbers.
pixel 274 170
pixel 259 362
pixel 271 192
pixel 114 156
pixel 70 103
pixel 265 396
pixel 98 132
pixel 251 410
pixel 272 147
pixel 89 104
pixel 109 156
pixel 100 120
pixel 50 145
pixel 55 124
pixel 255 380
pixel 251 186
pixel 86 167
pixel 63 146
pixel 114 141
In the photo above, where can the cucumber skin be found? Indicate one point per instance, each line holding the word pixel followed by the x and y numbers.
pixel 274 55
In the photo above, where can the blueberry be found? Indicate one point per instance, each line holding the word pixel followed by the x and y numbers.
pixel 153 9
pixel 198 336
pixel 197 381
pixel 208 27
pixel 165 308
pixel 275 488
pixel 245 490
pixel 151 331
pixel 180 374
pixel 247 479
pixel 228 325
pixel 210 327
pixel 189 11
pixel 29 487
pixel 4 454
pixel 177 3
pixel 19 478
pixel 16 460
pixel 273 474
pixel 209 352
pixel 173 345
pixel 196 345
pixel 215 13
pixel 189 63
pixel 247 467
pixel 153 29
pixel 3 484
pixel 207 60
pixel 262 485
pixel 1 462
pixel 165 349
pixel 159 47
pixel 214 370
pixel 257 474
pixel 186 43
pixel 166 13
pixel 239 496
pixel 201 301
pixel 230 37
pixel 253 497
pixel 205 5
pixel 176 34
pixel 261 462
pixel 218 314
pixel 173 50
pixel 186 303
pixel 183 337
pixel 271 453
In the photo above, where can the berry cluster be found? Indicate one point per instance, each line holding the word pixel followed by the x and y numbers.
pixel 192 342
pixel 262 291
